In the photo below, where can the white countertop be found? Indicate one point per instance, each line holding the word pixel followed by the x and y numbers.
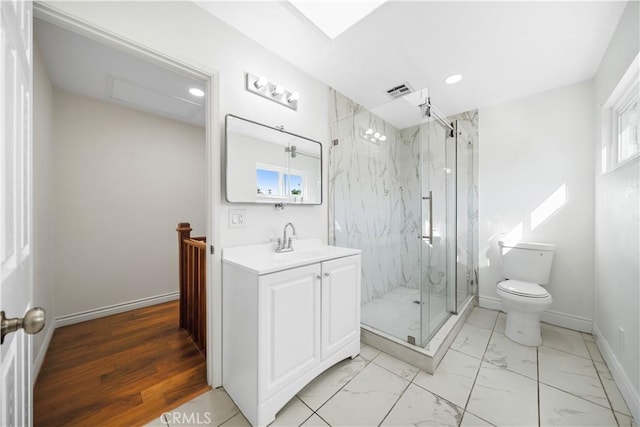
pixel 263 259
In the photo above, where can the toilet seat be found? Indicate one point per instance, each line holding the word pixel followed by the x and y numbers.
pixel 523 289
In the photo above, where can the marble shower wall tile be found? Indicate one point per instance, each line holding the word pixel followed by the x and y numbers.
pixel 374 191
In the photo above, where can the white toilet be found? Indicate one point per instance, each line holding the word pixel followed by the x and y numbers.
pixel 526 267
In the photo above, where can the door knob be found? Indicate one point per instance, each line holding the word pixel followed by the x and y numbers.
pixel 32 322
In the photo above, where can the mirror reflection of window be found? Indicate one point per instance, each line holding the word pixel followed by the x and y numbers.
pixel 294 184
pixel 267 182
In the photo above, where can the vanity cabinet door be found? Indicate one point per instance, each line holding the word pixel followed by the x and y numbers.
pixel 289 323
pixel 340 303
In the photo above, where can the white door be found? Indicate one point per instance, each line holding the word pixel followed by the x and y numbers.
pixel 15 208
pixel 340 303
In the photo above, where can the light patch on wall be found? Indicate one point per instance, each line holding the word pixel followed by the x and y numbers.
pixel 604 160
pixel 513 237
pixel 549 207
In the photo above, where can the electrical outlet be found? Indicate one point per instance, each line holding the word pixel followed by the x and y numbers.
pixel 237 218
pixel 621 337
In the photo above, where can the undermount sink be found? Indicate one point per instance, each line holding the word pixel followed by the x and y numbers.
pixel 262 259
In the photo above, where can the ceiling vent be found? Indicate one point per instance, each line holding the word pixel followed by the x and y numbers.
pixel 400 90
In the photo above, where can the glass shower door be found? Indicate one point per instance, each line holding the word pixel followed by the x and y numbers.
pixel 438 294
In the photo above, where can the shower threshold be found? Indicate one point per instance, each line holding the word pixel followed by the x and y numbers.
pixel 429 357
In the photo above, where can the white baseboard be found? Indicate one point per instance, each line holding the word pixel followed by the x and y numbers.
pixel 37 362
pixel 490 303
pixel 564 320
pixel 631 396
pixel 83 316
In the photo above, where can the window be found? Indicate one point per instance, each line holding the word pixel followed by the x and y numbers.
pixel 280 183
pixel 627 129
pixel 620 125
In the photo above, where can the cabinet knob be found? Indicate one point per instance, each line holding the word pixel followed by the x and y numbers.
pixel 327 274
pixel 318 277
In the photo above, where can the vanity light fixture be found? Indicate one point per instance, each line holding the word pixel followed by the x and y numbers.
pixel 453 79
pixel 196 92
pixel 275 92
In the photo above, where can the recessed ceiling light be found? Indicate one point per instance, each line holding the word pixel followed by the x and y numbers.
pixel 453 78
pixel 196 92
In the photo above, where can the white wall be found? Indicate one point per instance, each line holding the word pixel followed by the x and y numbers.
pixel 198 38
pixel 529 149
pixel 43 201
pixel 124 179
pixel 617 237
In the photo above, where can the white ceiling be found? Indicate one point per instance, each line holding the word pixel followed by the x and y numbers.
pixel 83 66
pixel 504 50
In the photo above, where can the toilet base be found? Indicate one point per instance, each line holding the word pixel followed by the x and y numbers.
pixel 524 328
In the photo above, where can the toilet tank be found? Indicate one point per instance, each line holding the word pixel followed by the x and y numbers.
pixel 527 261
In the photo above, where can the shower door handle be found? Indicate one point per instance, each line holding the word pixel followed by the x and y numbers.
pixel 430 198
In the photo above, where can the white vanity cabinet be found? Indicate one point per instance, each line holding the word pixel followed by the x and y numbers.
pixel 284 325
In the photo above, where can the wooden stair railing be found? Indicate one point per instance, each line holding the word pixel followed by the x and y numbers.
pixel 192 273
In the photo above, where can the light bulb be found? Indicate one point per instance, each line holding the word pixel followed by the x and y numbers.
pixel 383 138
pixel 376 135
pixel 262 81
pixel 279 90
pixel 368 131
pixel 294 97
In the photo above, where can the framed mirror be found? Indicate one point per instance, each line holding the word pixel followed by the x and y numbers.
pixel 271 165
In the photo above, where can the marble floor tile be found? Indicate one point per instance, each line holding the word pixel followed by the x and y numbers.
pixel 625 420
pixel 365 400
pixel 558 408
pixel 470 420
pixel 615 397
pixel 368 353
pixel 507 354
pixel 483 317
pixel 294 413
pixel 588 337
pixel 237 420
pixel 564 339
pixel 396 366
pixel 314 421
pixel 214 405
pixel 453 379
pixel 330 381
pixel 594 352
pixel 418 407
pixel 504 398
pixel 472 340
pixel 501 323
pixel 572 374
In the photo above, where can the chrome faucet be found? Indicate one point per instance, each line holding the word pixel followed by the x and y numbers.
pixel 284 244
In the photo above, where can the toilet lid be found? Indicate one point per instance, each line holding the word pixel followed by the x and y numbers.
pixel 525 289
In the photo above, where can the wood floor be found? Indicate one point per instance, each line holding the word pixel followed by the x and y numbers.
pixel 122 370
